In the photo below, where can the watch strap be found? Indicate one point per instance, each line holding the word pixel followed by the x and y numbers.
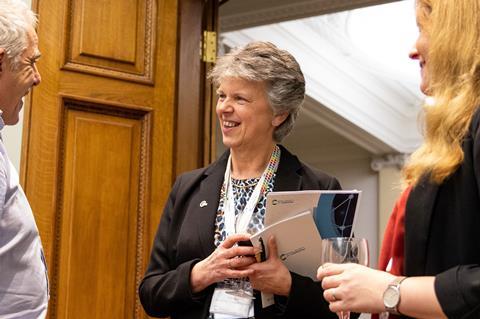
pixel 396 284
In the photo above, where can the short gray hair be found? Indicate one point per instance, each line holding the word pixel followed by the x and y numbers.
pixel 263 61
pixel 15 21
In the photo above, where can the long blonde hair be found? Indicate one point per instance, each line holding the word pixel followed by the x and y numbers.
pixel 453 29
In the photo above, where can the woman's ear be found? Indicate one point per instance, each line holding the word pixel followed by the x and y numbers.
pixel 279 119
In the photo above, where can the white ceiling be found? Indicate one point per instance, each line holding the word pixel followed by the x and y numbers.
pixel 361 85
pixel 241 14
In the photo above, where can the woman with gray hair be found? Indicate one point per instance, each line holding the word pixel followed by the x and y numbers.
pixel 195 263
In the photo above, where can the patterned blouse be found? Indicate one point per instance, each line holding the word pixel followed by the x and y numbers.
pixel 242 190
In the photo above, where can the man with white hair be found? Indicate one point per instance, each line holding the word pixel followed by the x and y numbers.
pixel 23 272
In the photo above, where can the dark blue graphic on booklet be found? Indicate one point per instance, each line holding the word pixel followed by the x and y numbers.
pixel 334 214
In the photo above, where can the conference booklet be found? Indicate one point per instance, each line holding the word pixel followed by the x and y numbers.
pixel 300 219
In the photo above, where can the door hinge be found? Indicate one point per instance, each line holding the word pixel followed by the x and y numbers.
pixel 209 46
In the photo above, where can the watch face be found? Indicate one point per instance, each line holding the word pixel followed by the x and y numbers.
pixel 391 296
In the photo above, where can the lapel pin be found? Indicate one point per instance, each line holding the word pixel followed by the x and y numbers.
pixel 203 203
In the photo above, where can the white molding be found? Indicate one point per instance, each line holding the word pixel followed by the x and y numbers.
pixel 235 15
pixel 390 160
pixel 377 112
pixel 343 127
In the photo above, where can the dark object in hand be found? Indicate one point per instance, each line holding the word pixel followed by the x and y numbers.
pixel 246 243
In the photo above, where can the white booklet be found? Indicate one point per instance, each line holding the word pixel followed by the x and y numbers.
pixel 299 220
pixel 298 242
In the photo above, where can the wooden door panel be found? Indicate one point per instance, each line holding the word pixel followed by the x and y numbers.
pixel 103 20
pixel 111 38
pixel 102 217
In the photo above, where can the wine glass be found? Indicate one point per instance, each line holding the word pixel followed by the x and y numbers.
pixel 340 250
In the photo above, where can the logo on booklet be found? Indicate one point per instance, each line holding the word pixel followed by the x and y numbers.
pixel 284 201
pixel 291 253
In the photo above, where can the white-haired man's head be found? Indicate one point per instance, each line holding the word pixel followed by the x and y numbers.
pixel 15 21
pixel 18 55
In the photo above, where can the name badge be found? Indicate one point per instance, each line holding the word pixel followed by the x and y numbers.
pixel 226 305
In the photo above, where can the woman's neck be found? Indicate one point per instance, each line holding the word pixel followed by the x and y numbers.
pixel 250 164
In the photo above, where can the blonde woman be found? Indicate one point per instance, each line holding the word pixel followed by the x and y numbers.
pixel 431 247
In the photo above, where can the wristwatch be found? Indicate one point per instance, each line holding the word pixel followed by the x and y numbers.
pixel 391 296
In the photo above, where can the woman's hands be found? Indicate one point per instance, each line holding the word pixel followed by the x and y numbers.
pixel 353 287
pixel 223 263
pixel 271 276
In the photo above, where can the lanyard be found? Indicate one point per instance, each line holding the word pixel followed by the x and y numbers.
pixel 239 224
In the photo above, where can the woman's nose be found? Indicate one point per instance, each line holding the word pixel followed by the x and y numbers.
pixel 224 105
pixel 413 54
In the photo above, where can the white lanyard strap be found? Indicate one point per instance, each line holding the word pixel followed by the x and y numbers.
pixel 239 224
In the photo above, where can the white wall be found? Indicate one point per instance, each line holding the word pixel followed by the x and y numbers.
pixel 12 138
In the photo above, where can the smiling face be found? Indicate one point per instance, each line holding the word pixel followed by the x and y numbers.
pixel 244 113
pixel 15 83
pixel 420 50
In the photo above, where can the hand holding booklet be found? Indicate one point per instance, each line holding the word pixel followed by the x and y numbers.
pixel 300 219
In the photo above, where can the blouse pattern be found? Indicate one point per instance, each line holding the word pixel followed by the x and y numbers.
pixel 242 191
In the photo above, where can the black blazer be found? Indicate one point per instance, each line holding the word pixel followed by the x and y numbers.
pixel 185 236
pixel 442 232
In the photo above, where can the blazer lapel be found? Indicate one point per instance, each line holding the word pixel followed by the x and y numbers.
pixel 204 204
pixel 287 178
pixel 419 209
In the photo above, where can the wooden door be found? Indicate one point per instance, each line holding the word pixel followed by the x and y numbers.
pixel 101 138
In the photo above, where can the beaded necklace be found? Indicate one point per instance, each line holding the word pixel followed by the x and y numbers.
pixel 232 223
pixel 271 168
